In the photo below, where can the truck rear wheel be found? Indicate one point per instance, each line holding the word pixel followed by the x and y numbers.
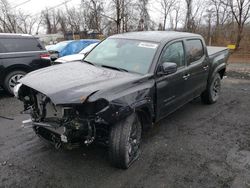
pixel 212 93
pixel 124 142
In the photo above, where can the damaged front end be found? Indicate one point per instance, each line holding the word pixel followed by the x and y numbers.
pixel 70 124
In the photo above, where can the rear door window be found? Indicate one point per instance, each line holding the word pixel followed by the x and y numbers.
pixel 195 50
pixel 19 45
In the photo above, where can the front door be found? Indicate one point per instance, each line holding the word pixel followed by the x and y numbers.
pixel 171 89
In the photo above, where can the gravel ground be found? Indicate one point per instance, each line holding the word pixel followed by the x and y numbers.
pixel 239 70
pixel 197 146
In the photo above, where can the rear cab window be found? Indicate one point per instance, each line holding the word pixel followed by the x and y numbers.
pixel 195 50
pixel 9 45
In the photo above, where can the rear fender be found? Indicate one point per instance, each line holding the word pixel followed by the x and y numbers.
pixel 217 70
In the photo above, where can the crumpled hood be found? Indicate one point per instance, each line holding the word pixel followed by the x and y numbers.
pixel 71 82
pixel 68 58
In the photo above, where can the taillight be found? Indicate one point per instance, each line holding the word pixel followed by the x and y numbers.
pixel 45 56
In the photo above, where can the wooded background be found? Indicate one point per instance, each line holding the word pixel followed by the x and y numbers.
pixel 221 22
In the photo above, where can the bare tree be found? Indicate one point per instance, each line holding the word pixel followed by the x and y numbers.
pixel 160 27
pixel 118 6
pixel 74 19
pixel 144 22
pixel 209 30
pixel 220 10
pixel 93 11
pixel 122 14
pixel 188 22
pixel 15 22
pixel 166 6
pixel 115 18
pixel 218 17
pixel 26 23
pixel 241 13
pixel 51 21
pixel 7 18
pixel 62 19
pixel 175 16
pixel 194 15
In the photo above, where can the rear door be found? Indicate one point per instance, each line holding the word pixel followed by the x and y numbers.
pixel 198 65
pixel 171 90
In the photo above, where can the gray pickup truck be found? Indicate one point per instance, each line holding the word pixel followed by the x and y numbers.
pixel 123 86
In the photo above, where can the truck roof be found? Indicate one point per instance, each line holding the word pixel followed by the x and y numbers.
pixel 155 36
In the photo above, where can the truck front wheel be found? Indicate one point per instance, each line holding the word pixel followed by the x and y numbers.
pixel 212 93
pixel 124 142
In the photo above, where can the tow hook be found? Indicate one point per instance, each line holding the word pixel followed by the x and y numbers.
pixel 58 145
pixel 27 123
pixel 56 142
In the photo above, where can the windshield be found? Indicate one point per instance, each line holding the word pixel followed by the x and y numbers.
pixel 131 55
pixel 59 46
pixel 88 48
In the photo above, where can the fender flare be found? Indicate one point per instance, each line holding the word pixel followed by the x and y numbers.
pixel 119 113
pixel 216 70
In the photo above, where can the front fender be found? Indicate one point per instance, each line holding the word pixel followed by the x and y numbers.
pixel 117 111
pixel 126 99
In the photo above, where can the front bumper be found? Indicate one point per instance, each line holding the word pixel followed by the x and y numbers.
pixel 84 132
pixel 50 133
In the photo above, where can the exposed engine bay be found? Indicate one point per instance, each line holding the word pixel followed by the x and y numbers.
pixel 64 125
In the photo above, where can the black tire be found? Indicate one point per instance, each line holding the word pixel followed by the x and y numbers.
pixel 124 142
pixel 13 78
pixel 212 93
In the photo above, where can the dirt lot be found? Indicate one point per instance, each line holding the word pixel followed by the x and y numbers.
pixel 197 146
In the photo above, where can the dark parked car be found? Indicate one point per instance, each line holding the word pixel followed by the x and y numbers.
pixel 127 83
pixel 19 54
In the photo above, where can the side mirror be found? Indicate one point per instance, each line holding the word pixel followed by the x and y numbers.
pixel 53 58
pixel 86 54
pixel 168 68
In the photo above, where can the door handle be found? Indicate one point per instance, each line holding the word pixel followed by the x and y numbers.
pixel 186 76
pixel 205 67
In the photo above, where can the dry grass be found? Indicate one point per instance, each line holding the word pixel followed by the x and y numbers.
pixel 240 57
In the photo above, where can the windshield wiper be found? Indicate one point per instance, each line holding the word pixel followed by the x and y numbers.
pixel 89 62
pixel 115 68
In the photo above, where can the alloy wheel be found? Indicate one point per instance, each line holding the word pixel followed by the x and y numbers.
pixel 13 81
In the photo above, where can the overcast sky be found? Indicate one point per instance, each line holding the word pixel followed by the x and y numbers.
pixel 34 7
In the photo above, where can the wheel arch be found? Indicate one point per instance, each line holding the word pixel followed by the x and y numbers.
pixel 221 69
pixel 145 115
pixel 10 69
pixel 222 72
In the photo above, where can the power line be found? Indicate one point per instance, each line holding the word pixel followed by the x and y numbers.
pixel 14 1
pixel 20 4
pixel 53 7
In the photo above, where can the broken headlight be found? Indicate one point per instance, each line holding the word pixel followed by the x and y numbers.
pixel 16 90
pixel 68 112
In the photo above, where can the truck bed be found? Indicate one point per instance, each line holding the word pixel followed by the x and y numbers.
pixel 211 50
pixel 217 54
